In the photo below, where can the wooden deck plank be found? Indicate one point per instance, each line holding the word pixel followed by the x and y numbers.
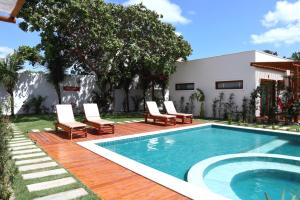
pixel 107 179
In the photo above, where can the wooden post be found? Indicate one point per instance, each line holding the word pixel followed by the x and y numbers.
pixel 297 86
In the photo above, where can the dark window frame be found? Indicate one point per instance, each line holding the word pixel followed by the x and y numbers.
pixel 231 88
pixel 181 84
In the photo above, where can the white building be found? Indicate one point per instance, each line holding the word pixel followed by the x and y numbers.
pixel 230 73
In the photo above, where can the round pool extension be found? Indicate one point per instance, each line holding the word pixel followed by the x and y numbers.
pixel 236 176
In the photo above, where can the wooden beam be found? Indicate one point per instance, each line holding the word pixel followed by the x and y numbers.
pixel 17 8
pixel 8 19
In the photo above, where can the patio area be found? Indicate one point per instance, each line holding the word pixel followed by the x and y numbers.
pixel 107 179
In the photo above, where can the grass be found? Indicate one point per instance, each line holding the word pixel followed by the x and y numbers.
pixel 19 185
pixel 27 122
pixel 21 192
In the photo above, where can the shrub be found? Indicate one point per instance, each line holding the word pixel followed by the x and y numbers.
pixel 6 168
pixel 137 100
pixel 214 108
pixel 35 105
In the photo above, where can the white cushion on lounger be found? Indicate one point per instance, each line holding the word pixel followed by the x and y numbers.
pixel 65 113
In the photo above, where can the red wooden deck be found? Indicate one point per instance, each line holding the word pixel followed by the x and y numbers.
pixel 107 179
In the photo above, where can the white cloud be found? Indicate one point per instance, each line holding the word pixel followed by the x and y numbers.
pixel 285 35
pixel 171 12
pixel 283 25
pixel 178 33
pixel 4 51
pixel 285 13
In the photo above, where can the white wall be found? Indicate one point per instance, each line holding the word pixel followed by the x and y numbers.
pixel 35 84
pixel 205 72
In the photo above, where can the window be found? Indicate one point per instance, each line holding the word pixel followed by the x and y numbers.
pixel 185 86
pixel 229 85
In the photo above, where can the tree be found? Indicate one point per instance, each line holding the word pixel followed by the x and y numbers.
pixel 11 65
pixel 56 64
pixel 114 42
pixel 82 32
pixel 271 52
pixel 150 48
pixel 296 56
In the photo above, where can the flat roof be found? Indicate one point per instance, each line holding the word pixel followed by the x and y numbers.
pixel 236 53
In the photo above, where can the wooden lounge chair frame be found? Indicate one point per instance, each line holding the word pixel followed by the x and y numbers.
pixel 185 118
pixel 157 116
pixel 69 129
pixel 100 127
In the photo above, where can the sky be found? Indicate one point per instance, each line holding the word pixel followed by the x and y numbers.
pixel 212 27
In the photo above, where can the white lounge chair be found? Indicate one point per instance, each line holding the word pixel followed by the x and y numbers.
pixel 67 122
pixel 171 110
pixel 157 116
pixel 92 118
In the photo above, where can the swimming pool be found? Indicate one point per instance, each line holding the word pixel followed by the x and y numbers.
pixel 171 156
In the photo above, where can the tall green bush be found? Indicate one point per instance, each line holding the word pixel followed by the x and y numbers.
pixel 199 96
pixel 6 167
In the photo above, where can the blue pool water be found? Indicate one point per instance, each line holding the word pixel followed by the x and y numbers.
pixel 253 185
pixel 176 152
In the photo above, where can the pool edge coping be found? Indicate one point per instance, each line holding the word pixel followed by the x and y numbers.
pixel 182 187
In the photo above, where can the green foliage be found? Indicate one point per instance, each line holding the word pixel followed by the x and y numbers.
pixel 252 104
pixel 136 102
pixel 114 42
pixel 214 108
pixel 230 107
pixel 245 108
pixel 7 170
pixel 271 52
pixel 220 104
pixel 199 97
pixel 35 104
pixel 296 56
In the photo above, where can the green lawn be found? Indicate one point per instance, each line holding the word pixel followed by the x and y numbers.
pixel 27 122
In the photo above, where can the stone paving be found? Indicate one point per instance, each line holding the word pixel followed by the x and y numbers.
pixel 34 164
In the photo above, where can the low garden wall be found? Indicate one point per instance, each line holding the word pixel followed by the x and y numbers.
pixel 76 90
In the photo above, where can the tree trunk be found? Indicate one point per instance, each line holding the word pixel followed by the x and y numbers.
pixel 57 88
pixel 12 103
pixel 152 91
pixel 127 98
pixel 144 98
pixel 163 90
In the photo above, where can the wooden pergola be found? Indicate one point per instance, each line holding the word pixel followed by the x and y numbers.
pixel 12 12
pixel 292 66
